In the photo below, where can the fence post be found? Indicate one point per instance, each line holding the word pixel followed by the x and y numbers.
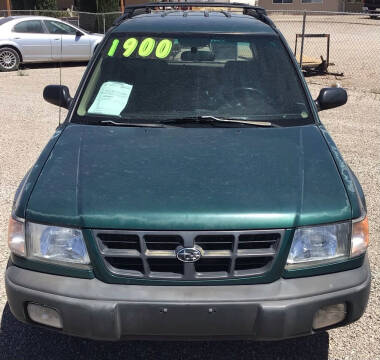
pixel 303 38
pixel 104 23
pixel 9 7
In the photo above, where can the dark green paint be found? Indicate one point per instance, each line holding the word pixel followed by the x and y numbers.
pixel 27 184
pixel 189 179
pixel 353 188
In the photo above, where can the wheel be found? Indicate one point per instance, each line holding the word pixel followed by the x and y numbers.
pixel 9 59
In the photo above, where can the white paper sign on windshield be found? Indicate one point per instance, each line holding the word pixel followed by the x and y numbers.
pixel 111 99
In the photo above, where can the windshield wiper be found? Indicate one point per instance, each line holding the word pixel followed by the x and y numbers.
pixel 131 124
pixel 209 119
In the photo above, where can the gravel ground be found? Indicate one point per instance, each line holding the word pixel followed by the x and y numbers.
pixel 26 124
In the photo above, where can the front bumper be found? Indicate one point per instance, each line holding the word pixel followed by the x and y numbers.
pixel 279 310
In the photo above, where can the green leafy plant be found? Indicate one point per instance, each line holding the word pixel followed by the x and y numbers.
pixel 46 4
pixel 98 6
pixel 23 4
pixel 87 5
pixel 104 6
pixel 98 23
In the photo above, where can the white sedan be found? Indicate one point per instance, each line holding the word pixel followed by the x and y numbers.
pixel 27 39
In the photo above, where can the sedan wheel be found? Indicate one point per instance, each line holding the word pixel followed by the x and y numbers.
pixel 9 59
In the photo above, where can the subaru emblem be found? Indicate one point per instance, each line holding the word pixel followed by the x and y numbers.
pixel 188 255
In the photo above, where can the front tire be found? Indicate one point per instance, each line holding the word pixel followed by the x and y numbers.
pixel 9 59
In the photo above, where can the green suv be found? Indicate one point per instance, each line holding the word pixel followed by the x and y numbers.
pixel 192 191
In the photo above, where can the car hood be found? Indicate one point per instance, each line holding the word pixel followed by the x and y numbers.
pixel 189 179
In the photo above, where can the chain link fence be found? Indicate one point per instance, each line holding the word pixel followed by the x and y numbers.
pixel 348 43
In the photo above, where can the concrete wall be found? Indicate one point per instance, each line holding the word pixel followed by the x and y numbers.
pixel 326 5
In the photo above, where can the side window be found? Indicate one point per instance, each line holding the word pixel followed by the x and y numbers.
pixel 29 26
pixel 55 27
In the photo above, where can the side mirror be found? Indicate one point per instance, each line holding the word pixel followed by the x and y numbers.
pixel 58 95
pixel 78 33
pixel 331 98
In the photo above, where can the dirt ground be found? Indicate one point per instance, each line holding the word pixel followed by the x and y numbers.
pixel 27 122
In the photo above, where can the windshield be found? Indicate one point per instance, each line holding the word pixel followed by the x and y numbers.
pixel 152 78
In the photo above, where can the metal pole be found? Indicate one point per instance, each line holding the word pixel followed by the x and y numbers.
pixel 328 50
pixel 303 37
pixel 104 23
pixel 122 6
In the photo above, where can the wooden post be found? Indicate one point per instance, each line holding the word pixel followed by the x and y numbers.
pixel 122 6
pixel 9 7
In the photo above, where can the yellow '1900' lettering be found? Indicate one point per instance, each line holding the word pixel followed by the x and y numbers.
pixel 146 47
pixel 129 46
pixel 163 48
pixel 111 51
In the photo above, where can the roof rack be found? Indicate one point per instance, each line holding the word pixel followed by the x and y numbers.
pixel 134 10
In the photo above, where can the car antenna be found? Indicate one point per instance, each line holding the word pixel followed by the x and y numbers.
pixel 60 85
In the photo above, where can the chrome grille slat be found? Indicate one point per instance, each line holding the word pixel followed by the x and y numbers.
pixel 160 253
pixel 120 253
pixel 216 253
pixel 256 252
pixel 152 254
pixel 143 255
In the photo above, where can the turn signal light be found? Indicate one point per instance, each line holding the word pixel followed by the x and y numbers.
pixel 359 237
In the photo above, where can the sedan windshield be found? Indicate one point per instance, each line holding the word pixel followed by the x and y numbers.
pixel 6 19
pixel 156 78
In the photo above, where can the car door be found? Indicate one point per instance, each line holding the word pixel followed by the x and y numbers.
pixel 32 40
pixel 67 42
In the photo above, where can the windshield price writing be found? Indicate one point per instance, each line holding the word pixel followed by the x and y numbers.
pixel 145 47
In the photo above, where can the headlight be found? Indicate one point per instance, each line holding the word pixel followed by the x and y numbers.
pixel 56 244
pixel 319 244
pixel 16 236
pixel 314 245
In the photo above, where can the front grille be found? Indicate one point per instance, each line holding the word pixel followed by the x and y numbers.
pixel 215 242
pixel 162 242
pixel 153 255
